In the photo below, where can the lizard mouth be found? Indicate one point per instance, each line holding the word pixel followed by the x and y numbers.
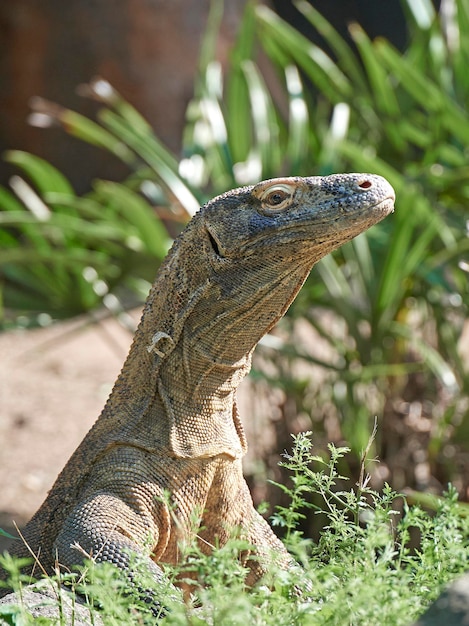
pixel 386 206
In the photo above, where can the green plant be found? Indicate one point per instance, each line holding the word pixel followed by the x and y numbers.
pixel 391 306
pixel 364 570
pixel 62 254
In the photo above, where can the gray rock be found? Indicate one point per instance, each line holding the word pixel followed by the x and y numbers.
pixel 55 603
pixel 451 608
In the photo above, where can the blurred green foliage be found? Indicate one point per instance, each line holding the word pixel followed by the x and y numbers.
pixel 398 295
pixel 388 308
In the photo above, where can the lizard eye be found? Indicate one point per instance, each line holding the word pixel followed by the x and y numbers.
pixel 277 197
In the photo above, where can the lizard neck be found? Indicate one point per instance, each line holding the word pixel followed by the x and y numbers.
pixel 193 347
pixel 198 397
pixel 197 382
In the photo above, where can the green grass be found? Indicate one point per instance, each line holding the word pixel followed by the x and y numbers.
pixel 378 561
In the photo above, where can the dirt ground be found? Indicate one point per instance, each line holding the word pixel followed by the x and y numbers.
pixel 54 382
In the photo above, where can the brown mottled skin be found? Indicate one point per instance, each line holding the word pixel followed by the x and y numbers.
pixel 170 424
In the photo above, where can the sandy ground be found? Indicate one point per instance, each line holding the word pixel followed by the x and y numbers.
pixel 53 384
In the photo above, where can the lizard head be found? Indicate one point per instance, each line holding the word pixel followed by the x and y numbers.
pixel 260 243
pixel 306 217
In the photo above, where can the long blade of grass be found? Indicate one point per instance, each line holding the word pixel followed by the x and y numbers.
pixel 423 12
pixel 210 38
pixel 81 127
pixel 298 121
pixel 8 201
pixel 44 175
pixel 456 27
pixel 424 91
pixel 382 90
pixel 336 284
pixel 87 207
pixel 264 120
pixel 99 89
pixel 58 224
pixel 318 66
pixel 364 259
pixel 236 100
pixel 217 147
pixel 157 157
pixel 346 57
pixel 69 257
pixel 137 212
pixel 34 209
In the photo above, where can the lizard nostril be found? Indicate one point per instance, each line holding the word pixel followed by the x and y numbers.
pixel 366 184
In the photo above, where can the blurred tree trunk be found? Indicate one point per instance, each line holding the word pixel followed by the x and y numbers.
pixel 147 49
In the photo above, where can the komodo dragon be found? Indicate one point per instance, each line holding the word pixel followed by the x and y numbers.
pixel 170 425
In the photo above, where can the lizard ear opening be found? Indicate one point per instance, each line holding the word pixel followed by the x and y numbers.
pixel 214 244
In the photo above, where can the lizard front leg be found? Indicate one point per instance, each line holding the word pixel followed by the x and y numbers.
pixel 110 529
pixel 230 509
pixel 266 549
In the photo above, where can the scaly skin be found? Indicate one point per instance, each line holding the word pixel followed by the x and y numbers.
pixel 170 424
